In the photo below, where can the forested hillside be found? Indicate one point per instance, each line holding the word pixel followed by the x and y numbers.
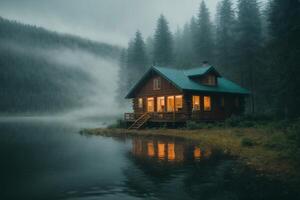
pixel 257 45
pixel 37 73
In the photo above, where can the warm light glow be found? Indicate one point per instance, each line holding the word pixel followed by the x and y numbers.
pixel 160 104
pixel 197 153
pixel 171 151
pixel 178 103
pixel 207 103
pixel 161 150
pixel 150 104
pixel 150 146
pixel 170 104
pixel 196 102
pixel 140 103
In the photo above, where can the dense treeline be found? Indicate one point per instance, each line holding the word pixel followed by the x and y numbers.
pixel 31 80
pixel 253 44
pixel 33 36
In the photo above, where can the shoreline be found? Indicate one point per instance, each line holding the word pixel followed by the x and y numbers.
pixel 248 145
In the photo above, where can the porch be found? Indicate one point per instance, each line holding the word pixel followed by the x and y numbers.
pixel 158 117
pixel 177 116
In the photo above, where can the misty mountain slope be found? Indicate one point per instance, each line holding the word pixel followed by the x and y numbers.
pixel 33 36
pixel 43 71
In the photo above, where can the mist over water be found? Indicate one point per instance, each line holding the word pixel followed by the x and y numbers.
pixel 97 86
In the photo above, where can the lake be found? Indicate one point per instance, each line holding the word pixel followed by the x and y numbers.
pixel 44 159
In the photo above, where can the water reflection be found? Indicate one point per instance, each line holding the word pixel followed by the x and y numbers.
pixel 168 150
pixel 52 161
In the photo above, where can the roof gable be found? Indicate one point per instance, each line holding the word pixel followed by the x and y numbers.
pixel 200 71
pixel 181 79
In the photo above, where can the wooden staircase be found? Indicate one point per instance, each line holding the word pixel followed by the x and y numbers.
pixel 140 121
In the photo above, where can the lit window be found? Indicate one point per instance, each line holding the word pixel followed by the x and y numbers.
pixel 161 150
pixel 197 153
pixel 207 103
pixel 140 102
pixel 160 104
pixel 171 151
pixel 156 84
pixel 170 104
pixel 178 103
pixel 196 102
pixel 150 104
pixel 151 152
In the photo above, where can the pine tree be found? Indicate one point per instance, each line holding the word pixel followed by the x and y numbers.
pixel 248 45
pixel 225 37
pixel 136 59
pixel 163 43
pixel 183 47
pixel 285 50
pixel 204 36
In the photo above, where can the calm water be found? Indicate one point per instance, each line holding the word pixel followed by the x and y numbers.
pixel 50 160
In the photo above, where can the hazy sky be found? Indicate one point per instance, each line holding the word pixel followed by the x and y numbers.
pixel 112 21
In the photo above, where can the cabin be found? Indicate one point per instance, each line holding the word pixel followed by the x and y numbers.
pixel 167 95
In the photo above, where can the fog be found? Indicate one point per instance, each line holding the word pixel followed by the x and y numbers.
pixel 112 21
pixel 99 90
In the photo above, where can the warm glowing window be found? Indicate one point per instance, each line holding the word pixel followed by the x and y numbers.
pixel 151 152
pixel 150 104
pixel 207 103
pixel 140 102
pixel 170 104
pixel 156 84
pixel 197 153
pixel 161 150
pixel 196 102
pixel 178 103
pixel 160 104
pixel 171 151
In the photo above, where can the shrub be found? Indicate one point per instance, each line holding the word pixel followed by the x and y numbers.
pixel 247 142
pixel 192 125
pixel 233 121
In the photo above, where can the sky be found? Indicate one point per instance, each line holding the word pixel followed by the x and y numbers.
pixel 111 21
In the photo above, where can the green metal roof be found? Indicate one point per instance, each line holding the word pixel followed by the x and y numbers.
pixel 181 79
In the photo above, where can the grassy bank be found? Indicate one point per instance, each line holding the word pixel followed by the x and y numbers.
pixel 265 148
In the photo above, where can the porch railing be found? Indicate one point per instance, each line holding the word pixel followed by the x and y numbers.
pixel 158 116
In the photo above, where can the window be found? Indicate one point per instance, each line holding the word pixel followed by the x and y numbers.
pixel 196 102
pixel 140 102
pixel 160 104
pixel 156 84
pixel 178 103
pixel 207 103
pixel 170 104
pixel 150 104
pixel 211 80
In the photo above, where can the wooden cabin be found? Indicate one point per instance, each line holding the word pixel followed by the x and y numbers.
pixel 167 95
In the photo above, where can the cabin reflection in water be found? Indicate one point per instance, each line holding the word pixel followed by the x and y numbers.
pixel 168 150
